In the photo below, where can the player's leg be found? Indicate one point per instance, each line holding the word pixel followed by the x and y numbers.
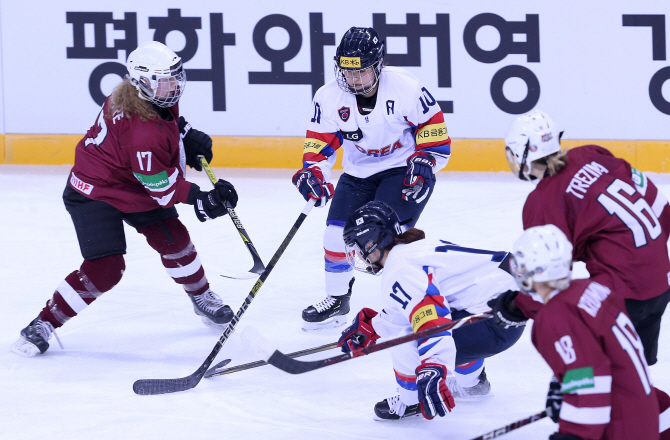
pixel 646 318
pixel 99 228
pixel 170 238
pixel 390 191
pixel 405 403
pixel 474 343
pixel 351 193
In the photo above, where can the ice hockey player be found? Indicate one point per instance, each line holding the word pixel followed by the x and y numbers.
pixel 394 139
pixel 614 216
pixel 601 387
pixel 426 284
pixel 130 167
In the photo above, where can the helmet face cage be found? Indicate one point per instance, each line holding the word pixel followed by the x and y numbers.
pixel 359 61
pixel 372 227
pixel 163 89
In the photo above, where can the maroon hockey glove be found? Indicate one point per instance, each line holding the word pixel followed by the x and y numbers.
pixel 434 395
pixel 309 182
pixel 505 312
pixel 196 143
pixel 419 178
pixel 210 205
pixel 360 333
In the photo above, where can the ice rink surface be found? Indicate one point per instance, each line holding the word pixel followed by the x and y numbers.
pixel 145 327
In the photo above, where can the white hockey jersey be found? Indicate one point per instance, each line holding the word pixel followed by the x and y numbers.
pixel 423 281
pixel 406 118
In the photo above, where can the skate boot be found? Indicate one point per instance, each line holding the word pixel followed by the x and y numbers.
pixel 329 313
pixel 34 338
pixel 393 409
pixel 482 389
pixel 212 311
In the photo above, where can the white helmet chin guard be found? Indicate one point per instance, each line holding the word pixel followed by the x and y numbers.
pixel 157 72
pixel 531 137
pixel 542 253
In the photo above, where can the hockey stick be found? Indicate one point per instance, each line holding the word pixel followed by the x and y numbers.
pixel 258 267
pixel 512 426
pixel 162 386
pixel 285 363
pixel 218 370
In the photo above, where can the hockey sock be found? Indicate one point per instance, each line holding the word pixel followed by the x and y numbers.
pixel 178 255
pixel 338 271
pixel 467 375
pixel 82 287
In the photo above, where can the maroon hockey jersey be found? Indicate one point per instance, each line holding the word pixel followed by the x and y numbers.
pixel 614 216
pixel 589 342
pixel 132 165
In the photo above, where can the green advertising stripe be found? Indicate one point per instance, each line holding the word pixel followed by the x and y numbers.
pixel 577 379
pixel 155 181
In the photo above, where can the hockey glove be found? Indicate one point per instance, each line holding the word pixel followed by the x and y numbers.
pixel 309 182
pixel 196 143
pixel 505 313
pixel 211 204
pixel 434 395
pixel 554 399
pixel 419 178
pixel 360 333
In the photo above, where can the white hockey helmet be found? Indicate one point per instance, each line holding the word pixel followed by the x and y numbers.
pixel 157 72
pixel 531 137
pixel 542 253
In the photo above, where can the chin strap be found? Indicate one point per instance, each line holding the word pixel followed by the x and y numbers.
pixel 523 163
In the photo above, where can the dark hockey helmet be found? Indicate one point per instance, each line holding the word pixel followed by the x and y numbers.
pixel 359 60
pixel 371 227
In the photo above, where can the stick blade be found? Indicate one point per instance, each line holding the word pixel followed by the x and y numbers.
pixel 292 366
pixel 150 387
pixel 215 369
pixel 244 276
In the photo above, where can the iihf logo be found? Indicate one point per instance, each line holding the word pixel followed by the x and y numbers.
pixel 344 113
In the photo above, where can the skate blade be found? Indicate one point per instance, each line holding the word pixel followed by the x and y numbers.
pixel 334 322
pixel 376 418
pixel 24 348
pixel 211 324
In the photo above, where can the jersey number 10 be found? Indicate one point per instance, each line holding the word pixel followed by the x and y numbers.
pixel 642 218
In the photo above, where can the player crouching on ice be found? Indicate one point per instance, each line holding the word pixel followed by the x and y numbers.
pixel 426 284
pixel 130 167
pixel 601 388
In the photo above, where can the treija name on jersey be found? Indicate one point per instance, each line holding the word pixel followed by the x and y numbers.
pixel 406 118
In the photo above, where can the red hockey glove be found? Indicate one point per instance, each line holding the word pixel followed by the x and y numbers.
pixel 419 178
pixel 360 333
pixel 309 182
pixel 434 395
pixel 196 143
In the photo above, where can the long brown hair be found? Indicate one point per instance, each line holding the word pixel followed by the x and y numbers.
pixel 125 99
pixel 409 236
pixel 555 162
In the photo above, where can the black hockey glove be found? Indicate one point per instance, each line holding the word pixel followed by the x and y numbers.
pixel 557 436
pixel 210 205
pixel 505 313
pixel 419 177
pixel 554 399
pixel 196 143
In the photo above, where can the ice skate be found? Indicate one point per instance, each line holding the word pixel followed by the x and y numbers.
pixel 481 390
pixel 329 313
pixel 34 338
pixel 393 408
pixel 212 311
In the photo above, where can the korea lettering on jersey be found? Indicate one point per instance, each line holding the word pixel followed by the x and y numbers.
pixel 406 118
pixel 423 281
